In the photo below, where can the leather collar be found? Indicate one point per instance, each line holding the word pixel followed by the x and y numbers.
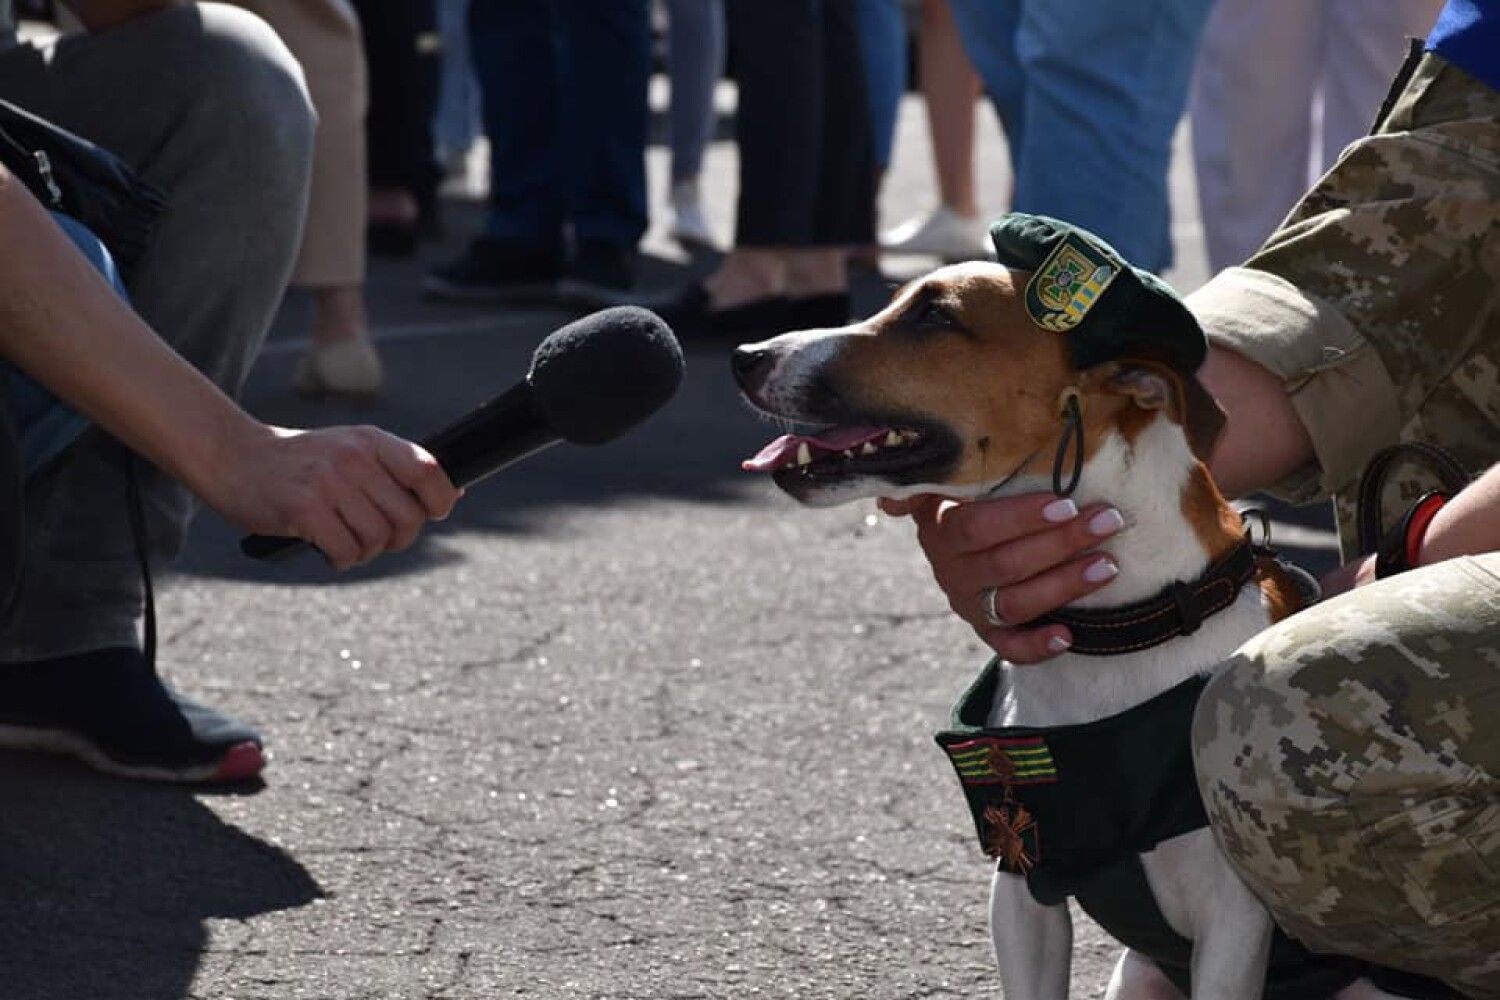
pixel 1178 610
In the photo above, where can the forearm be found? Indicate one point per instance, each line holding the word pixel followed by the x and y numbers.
pixel 1468 524
pixel 63 325
pixel 101 15
pixel 1264 439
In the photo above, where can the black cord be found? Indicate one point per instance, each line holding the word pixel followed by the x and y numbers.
pixel 138 530
pixel 1072 434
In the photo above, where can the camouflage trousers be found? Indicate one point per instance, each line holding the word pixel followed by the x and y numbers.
pixel 1349 759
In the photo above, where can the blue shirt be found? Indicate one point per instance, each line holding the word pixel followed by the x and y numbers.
pixel 1467 34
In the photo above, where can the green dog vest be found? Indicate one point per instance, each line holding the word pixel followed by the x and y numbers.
pixel 1072 808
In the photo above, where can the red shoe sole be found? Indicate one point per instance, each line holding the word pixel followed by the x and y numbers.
pixel 240 763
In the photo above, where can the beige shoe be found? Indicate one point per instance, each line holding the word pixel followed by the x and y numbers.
pixel 344 368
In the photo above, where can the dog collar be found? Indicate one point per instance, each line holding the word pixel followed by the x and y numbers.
pixel 1177 610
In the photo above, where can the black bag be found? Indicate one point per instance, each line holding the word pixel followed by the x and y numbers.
pixel 73 176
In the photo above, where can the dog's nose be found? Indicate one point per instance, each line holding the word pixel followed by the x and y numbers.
pixel 751 363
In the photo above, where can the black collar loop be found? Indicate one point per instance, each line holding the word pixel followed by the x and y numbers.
pixel 1072 434
pixel 1180 609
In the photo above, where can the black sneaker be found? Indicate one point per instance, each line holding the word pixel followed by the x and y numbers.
pixel 600 275
pixel 494 270
pixel 691 314
pixel 110 709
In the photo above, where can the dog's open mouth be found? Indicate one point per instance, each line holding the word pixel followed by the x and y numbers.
pixel 836 452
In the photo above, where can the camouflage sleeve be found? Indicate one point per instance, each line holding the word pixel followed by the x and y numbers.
pixel 1381 281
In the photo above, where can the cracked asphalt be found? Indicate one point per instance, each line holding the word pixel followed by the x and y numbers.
pixel 630 725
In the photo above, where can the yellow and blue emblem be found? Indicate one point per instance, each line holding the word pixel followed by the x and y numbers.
pixel 1063 290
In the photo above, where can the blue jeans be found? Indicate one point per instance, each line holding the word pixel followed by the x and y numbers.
pixel 45 424
pixel 1089 93
pixel 882 40
pixel 563 84
pixel 456 124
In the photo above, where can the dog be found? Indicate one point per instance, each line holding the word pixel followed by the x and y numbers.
pixel 953 390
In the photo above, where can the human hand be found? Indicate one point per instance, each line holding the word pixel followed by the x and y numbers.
pixel 354 492
pixel 1030 548
pixel 1347 577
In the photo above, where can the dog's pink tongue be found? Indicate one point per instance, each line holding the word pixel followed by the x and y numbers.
pixel 783 451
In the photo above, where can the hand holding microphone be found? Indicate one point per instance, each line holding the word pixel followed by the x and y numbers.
pixel 590 382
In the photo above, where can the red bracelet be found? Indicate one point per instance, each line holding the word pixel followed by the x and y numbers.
pixel 1401 547
pixel 1417 524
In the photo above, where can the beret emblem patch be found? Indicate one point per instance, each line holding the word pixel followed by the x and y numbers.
pixel 1063 290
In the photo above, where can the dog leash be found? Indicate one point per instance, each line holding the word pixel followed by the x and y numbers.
pixel 1395 550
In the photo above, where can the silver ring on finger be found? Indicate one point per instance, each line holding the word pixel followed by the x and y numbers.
pixel 987 605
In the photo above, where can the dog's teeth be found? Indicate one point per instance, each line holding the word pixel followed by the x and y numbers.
pixel 908 436
pixel 847 453
pixel 892 438
pixel 868 448
pixel 804 454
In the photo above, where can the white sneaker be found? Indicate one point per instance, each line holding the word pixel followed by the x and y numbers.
pixel 944 234
pixel 689 224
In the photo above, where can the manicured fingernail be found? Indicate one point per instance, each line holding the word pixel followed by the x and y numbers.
pixel 1059 511
pixel 1106 522
pixel 1058 644
pixel 1100 570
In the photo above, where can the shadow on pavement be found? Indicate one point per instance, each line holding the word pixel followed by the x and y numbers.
pixel 105 885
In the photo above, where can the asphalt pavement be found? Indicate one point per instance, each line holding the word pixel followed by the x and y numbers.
pixel 629 725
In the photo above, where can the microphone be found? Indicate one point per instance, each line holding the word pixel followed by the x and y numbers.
pixel 589 383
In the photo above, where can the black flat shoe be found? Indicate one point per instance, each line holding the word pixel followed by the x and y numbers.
pixel 691 315
pixel 391 239
pixel 492 270
pixel 819 312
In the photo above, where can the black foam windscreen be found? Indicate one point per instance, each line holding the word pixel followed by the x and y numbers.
pixel 601 375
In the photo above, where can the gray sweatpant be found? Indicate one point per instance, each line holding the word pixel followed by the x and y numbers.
pixel 208 105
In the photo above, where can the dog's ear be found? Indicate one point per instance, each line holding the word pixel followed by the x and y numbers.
pixel 1152 385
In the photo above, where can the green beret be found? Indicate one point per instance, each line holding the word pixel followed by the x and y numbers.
pixel 1081 288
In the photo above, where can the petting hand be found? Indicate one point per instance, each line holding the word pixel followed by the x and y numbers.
pixel 354 492
pixel 1349 576
pixel 1028 547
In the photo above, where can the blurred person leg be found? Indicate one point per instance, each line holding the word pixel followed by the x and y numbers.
pixel 563 84
pixel 606 61
pixel 206 103
pixel 1106 84
pixel 1364 42
pixel 695 62
pixel 457 122
pixel 987 29
pixel 324 37
pixel 807 178
pixel 1089 93
pixel 1252 129
pixel 883 43
pixel 403 54
pixel 515 47
pixel 950 87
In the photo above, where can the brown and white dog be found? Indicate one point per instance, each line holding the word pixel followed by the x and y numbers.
pixel 952 390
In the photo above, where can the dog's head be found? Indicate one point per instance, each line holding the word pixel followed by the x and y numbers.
pixel 954 389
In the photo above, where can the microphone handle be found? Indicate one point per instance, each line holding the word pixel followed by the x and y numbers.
pixel 467 450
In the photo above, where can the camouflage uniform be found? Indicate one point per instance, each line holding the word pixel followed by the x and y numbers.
pixel 1350 757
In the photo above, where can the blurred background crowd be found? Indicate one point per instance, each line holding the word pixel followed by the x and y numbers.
pixel 542 109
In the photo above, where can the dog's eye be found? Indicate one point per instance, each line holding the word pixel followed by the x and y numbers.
pixel 932 314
